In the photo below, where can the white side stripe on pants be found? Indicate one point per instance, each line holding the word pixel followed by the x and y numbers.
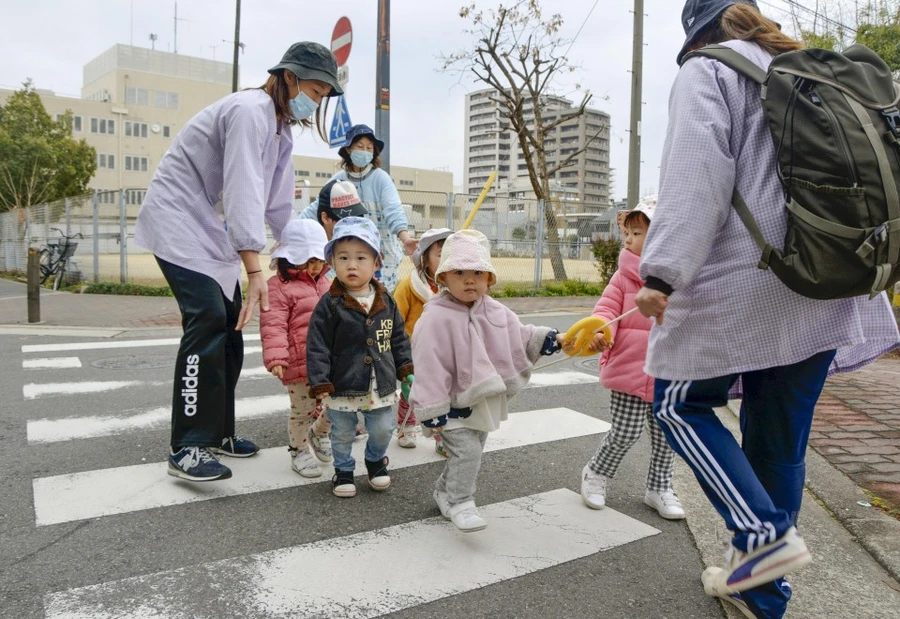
pixel 760 532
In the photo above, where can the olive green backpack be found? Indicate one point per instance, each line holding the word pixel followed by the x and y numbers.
pixel 834 119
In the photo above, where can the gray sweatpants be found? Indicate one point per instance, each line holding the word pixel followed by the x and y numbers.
pixel 464 448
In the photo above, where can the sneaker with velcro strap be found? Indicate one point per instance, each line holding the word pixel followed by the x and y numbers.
pixel 237 447
pixel 320 445
pixel 196 464
pixel 379 480
pixel 342 484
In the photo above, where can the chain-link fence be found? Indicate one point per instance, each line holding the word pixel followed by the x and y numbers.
pixel 103 227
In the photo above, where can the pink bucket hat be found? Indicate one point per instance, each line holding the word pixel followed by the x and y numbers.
pixel 467 250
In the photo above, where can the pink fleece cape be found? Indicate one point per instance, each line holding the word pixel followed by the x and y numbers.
pixel 463 355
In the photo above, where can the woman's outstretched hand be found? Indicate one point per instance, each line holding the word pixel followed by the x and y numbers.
pixel 257 293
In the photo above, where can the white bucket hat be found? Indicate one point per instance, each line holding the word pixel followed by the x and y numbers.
pixel 647 206
pixel 301 240
pixel 426 241
pixel 467 250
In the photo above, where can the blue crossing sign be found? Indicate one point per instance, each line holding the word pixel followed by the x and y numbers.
pixel 340 125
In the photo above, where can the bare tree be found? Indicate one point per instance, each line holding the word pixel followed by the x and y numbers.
pixel 518 52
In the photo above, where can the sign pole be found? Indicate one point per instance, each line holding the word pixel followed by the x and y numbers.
pixel 383 83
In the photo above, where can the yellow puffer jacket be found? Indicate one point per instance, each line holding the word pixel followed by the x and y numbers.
pixel 411 297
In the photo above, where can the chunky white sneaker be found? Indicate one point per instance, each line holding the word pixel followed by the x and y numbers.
pixel 593 488
pixel 734 599
pixel 320 445
pixel 665 503
pixel 305 464
pixel 443 503
pixel 406 436
pixel 747 570
pixel 466 517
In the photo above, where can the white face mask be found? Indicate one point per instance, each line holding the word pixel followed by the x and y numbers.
pixel 302 107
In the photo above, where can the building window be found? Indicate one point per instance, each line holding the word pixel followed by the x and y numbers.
pixel 172 100
pixel 136 164
pixel 76 123
pixel 137 96
pixel 323 175
pixel 105 161
pixel 134 196
pixel 301 172
pixel 137 130
pixel 407 183
pixel 160 99
pixel 102 125
pixel 166 131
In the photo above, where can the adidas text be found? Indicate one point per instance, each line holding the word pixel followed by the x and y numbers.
pixel 189 385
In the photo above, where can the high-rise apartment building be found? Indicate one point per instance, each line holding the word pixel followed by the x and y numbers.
pixel 491 146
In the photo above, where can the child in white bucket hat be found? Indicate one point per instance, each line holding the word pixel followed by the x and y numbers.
pixel 294 291
pixel 473 354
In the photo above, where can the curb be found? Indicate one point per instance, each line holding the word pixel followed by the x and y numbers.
pixel 875 531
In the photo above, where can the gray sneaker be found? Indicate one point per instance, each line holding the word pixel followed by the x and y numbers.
pixel 320 445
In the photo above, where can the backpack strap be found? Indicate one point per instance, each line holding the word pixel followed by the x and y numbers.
pixel 730 59
pixel 750 223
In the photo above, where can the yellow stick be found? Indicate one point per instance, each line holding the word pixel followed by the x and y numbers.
pixel 484 193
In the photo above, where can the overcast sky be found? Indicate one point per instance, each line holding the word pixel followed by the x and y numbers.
pixel 50 41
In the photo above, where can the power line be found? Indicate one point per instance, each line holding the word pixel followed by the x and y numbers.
pixel 582 27
pixel 813 12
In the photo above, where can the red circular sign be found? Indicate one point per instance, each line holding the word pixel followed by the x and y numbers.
pixel 341 41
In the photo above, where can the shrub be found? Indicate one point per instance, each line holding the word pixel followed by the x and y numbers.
pixel 606 251
pixel 127 289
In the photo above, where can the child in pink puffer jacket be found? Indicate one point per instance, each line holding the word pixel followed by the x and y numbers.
pixel 293 294
pixel 622 372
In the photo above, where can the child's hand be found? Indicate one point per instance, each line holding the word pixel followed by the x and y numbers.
pixel 406 386
pixel 277 371
pixel 599 344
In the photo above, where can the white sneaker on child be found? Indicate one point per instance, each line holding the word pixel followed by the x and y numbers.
pixel 320 445
pixel 665 503
pixel 443 503
pixel 406 436
pixel 305 464
pixel 466 517
pixel 593 488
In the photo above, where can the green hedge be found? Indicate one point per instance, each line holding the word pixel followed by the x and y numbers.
pixel 127 289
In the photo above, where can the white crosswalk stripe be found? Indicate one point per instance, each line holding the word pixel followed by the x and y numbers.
pixel 527 534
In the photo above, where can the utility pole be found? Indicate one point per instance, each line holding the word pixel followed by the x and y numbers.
pixel 237 45
pixel 637 75
pixel 383 82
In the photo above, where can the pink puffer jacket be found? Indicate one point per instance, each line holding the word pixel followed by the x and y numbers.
pixel 622 366
pixel 283 328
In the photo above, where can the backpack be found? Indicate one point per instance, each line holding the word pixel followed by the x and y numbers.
pixel 835 123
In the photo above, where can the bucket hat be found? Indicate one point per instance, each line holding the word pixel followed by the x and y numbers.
pixel 311 61
pixel 357 228
pixel 647 206
pixel 467 250
pixel 427 240
pixel 339 199
pixel 301 240
pixel 356 132
pixel 698 14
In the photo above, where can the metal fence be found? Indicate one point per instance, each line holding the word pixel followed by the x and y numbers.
pixel 517 231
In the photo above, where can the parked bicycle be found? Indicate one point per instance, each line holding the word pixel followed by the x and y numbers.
pixel 55 257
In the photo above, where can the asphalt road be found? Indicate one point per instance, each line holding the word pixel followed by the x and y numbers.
pixel 654 576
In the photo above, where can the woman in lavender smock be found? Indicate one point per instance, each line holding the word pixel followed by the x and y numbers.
pixel 228 172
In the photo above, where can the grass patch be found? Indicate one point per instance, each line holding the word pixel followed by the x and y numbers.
pixel 567 288
pixel 136 290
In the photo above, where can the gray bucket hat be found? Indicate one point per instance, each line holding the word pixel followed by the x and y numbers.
pixel 311 61
pixel 698 14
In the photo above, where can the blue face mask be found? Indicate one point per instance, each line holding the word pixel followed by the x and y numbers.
pixel 302 107
pixel 361 158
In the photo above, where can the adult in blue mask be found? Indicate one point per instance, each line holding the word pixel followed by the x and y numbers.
pixel 361 165
pixel 227 174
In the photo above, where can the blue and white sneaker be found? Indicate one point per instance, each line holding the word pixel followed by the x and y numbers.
pixel 734 599
pixel 237 447
pixel 748 570
pixel 197 464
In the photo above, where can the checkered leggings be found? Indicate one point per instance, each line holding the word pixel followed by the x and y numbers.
pixel 629 413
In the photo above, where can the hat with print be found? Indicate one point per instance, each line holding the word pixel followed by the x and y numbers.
pixel 427 240
pixel 357 228
pixel 301 240
pixel 467 250
pixel 698 14
pixel 311 61
pixel 647 206
pixel 339 199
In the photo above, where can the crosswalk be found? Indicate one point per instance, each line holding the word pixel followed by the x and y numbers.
pixel 78 407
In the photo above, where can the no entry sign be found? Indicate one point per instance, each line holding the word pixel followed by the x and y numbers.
pixel 341 41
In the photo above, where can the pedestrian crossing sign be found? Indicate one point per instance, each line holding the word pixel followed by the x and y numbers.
pixel 340 125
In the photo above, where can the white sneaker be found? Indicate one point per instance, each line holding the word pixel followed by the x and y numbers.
pixel 306 465
pixel 466 517
pixel 734 599
pixel 443 503
pixel 593 488
pixel 748 570
pixel 320 445
pixel 406 436
pixel 665 503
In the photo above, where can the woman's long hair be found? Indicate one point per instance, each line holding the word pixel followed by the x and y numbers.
pixel 277 88
pixel 745 23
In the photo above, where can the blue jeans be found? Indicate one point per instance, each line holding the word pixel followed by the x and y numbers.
pixel 380 426
pixel 756 487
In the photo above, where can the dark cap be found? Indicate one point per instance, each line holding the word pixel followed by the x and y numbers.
pixel 356 132
pixel 339 199
pixel 698 14
pixel 311 61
